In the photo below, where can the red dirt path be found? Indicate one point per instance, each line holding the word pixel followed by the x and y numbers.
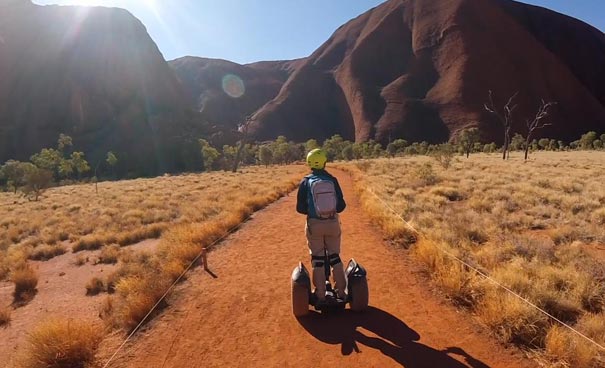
pixel 242 318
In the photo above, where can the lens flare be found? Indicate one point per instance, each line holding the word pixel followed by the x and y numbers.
pixel 233 86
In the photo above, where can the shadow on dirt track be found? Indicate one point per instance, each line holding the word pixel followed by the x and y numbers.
pixel 393 338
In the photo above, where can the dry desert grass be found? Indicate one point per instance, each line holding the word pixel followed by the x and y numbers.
pixel 187 212
pixel 529 225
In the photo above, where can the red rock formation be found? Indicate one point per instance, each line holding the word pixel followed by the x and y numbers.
pixel 421 69
pixel 203 80
pixel 92 73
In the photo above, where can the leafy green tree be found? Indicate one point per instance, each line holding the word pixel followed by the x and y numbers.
pixel 560 145
pixel 111 159
pixel 467 139
pixel 209 154
pixel 517 143
pixel 348 153
pixel 597 144
pixel 63 142
pixel 490 148
pixel 265 155
pixel 47 158
pixel 602 137
pixel 333 147
pixel 66 168
pixel 14 173
pixel 396 147
pixel 79 163
pixel 311 145
pixel 587 139
pixel 37 180
pixel 543 143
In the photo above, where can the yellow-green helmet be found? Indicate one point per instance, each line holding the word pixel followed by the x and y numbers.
pixel 316 159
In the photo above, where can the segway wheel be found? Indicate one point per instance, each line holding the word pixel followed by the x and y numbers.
pixel 300 300
pixel 359 294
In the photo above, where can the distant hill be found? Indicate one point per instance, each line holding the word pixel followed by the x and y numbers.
pixel 204 80
pixel 94 74
pixel 422 69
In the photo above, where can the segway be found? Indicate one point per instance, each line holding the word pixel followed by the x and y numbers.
pixel 303 296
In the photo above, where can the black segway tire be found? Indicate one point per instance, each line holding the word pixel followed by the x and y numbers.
pixel 359 294
pixel 300 300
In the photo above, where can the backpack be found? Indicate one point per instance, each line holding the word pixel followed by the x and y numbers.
pixel 322 194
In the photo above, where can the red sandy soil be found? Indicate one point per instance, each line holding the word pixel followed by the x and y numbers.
pixel 61 294
pixel 241 316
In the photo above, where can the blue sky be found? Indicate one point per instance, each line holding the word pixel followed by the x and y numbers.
pixel 251 30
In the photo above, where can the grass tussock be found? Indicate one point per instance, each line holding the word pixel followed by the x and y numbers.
pixel 61 343
pixel 46 252
pixel 26 280
pixel 109 254
pixel 95 286
pixel 527 225
pixel 5 316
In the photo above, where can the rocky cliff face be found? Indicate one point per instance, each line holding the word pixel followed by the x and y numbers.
pixel 422 69
pixel 417 69
pixel 92 73
pixel 225 93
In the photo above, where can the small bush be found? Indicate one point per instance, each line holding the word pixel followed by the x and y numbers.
pixel 61 343
pixel 26 281
pixel 5 316
pixel 426 174
pixel 80 260
pixel 95 286
pixel 109 254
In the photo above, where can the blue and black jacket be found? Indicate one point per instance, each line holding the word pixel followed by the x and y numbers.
pixel 302 202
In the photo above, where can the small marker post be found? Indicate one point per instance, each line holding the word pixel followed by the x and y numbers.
pixel 205 259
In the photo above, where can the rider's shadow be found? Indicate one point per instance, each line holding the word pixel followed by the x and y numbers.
pixel 392 337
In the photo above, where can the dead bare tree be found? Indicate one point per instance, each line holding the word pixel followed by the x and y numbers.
pixel 505 117
pixel 243 130
pixel 537 123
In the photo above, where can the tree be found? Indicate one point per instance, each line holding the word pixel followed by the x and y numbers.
pixel 552 145
pixel 66 168
pixel 311 145
pixel 14 173
pixel 333 147
pixel 597 144
pixel 265 155
pixel 209 154
pixel 602 137
pixel 505 117
pixel 517 143
pixel 396 147
pixel 467 139
pixel 347 152
pixel 36 181
pixel 490 148
pixel 543 143
pixel 47 158
pixel 111 159
pixel 243 130
pixel 63 142
pixel 537 123
pixel 587 139
pixel 79 163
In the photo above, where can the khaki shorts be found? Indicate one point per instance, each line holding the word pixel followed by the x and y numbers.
pixel 323 234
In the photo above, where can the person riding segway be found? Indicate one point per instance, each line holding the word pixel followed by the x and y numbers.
pixel 320 198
